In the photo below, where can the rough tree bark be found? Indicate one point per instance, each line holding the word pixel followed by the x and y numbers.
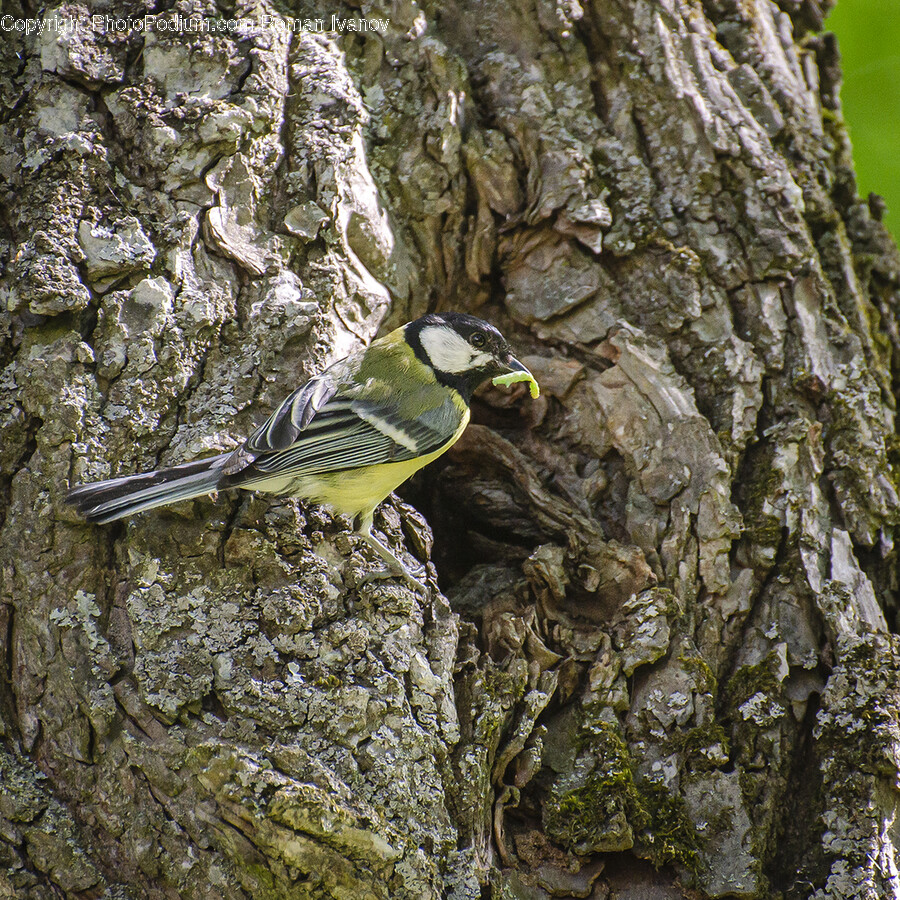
pixel 664 665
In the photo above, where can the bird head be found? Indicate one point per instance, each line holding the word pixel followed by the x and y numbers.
pixel 464 352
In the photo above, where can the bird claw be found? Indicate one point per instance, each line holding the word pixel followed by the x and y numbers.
pixel 395 569
pixel 410 578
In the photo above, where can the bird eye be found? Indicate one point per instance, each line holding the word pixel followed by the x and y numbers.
pixel 478 339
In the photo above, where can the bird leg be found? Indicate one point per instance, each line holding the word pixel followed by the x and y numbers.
pixel 394 566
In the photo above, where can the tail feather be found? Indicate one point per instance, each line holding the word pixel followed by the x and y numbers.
pixel 106 501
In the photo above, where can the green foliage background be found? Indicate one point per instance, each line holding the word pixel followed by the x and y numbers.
pixel 868 33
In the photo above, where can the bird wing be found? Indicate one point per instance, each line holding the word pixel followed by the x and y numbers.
pixel 293 415
pixel 323 428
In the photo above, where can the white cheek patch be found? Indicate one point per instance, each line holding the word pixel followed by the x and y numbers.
pixel 449 352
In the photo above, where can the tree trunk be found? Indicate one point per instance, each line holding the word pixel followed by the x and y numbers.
pixel 662 664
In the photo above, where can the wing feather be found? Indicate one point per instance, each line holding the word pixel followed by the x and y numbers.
pixel 348 448
pixel 417 435
pixel 342 434
pixel 294 414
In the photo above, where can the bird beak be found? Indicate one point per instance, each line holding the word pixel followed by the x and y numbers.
pixel 516 372
pixel 511 364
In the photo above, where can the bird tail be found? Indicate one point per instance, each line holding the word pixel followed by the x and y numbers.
pixel 106 501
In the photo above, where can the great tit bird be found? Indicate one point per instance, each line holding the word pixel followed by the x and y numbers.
pixel 349 436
